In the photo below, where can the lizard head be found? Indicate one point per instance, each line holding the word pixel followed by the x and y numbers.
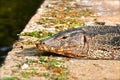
pixel 72 43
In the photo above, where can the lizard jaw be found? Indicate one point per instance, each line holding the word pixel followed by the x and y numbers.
pixel 61 51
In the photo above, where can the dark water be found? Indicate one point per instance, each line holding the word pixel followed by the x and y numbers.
pixel 14 15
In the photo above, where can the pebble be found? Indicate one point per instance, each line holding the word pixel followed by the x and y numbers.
pixel 24 66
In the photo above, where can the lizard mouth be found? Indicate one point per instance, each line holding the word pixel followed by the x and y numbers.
pixel 61 51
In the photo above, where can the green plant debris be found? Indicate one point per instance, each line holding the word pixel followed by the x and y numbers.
pixel 39 34
pixel 64 16
pixel 59 76
pixel 52 63
pixel 55 68
pixel 10 78
pixel 58 70
pixel 55 76
pixel 26 74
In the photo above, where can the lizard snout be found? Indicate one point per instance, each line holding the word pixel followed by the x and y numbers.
pixel 42 43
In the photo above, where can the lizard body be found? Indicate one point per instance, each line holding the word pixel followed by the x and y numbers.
pixel 92 42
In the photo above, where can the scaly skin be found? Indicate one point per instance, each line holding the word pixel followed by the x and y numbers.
pixel 91 42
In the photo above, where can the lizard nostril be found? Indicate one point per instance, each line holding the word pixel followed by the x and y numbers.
pixel 43 43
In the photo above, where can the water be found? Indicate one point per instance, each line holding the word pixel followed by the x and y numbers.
pixel 3 53
pixel 14 15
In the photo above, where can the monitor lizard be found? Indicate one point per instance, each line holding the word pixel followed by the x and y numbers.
pixel 91 42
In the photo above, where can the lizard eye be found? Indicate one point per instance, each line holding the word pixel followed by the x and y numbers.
pixel 64 37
